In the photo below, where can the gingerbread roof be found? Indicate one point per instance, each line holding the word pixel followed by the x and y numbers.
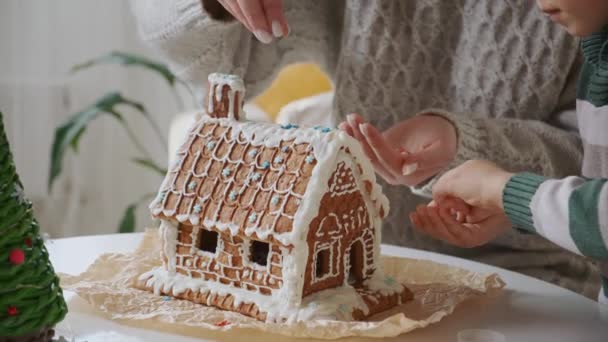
pixel 258 179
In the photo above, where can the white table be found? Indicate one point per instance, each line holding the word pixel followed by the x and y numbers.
pixel 529 309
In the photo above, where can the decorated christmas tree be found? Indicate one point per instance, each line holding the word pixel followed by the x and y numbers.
pixel 31 301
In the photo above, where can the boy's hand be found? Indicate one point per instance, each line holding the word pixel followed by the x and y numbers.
pixel 481 226
pixel 264 18
pixel 411 151
pixel 478 183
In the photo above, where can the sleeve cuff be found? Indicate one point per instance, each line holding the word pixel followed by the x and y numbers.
pixel 516 199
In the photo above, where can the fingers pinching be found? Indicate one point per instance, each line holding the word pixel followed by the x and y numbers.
pixel 256 17
pixel 385 153
pixel 276 17
pixel 354 121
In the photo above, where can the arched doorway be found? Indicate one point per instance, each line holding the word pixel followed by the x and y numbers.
pixel 355 273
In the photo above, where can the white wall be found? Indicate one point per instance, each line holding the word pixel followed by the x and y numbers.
pixel 39 42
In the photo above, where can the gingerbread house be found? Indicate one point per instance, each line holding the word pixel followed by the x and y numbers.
pixel 275 222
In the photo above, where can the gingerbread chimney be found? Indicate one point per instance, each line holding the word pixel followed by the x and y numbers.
pixel 225 99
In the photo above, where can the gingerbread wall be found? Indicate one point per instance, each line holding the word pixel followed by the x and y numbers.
pixel 343 219
pixel 230 264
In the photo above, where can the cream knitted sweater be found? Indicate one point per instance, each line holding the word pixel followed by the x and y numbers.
pixel 503 74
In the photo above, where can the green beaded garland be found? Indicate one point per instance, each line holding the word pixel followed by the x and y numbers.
pixel 30 296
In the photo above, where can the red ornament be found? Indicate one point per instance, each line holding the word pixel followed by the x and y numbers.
pixel 222 323
pixel 28 242
pixel 17 256
pixel 12 311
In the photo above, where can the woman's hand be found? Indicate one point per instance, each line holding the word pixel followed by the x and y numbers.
pixel 409 152
pixel 264 18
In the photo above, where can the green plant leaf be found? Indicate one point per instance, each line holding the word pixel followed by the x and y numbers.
pixel 150 164
pixel 69 133
pixel 128 59
pixel 127 223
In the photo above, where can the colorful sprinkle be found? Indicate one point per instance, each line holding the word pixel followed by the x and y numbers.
pixel 222 323
pixel 211 145
pixel 326 130
pixel 289 126
pixel 192 185
pixel 253 217
pixel 309 159
pixel 278 160
pixel 285 149
pixel 17 256
pixel 233 194
pixel 275 199
pixel 226 172
pixel 255 177
pixel 166 298
pixel 161 196
pixel 265 165
pixel 197 209
pixel 253 153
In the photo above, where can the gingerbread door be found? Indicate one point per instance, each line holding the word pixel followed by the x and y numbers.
pixel 355 272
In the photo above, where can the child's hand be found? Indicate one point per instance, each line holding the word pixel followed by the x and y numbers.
pixel 411 151
pixel 264 18
pixel 481 226
pixel 478 183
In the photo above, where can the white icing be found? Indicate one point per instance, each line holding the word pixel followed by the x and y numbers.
pixel 235 85
pixel 168 234
pixel 333 304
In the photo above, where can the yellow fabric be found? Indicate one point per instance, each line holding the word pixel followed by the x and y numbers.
pixel 292 83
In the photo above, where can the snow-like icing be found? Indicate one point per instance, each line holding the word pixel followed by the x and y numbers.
pixel 333 304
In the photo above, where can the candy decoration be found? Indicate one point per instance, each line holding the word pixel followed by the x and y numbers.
pixel 275 199
pixel 197 208
pixel 192 186
pixel 253 217
pixel 285 149
pixel 253 153
pixel 278 160
pixel 34 278
pixel 289 126
pixel 265 165
pixel 233 194
pixel 309 159
pixel 211 145
pixel 226 172
pixel 16 257
pixel 255 177
pixel 12 311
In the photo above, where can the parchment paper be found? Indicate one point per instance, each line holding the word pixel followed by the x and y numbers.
pixel 107 286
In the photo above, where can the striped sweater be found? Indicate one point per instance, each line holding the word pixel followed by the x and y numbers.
pixel 573 212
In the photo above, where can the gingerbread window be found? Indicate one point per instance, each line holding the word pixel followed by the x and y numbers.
pixel 258 252
pixel 207 240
